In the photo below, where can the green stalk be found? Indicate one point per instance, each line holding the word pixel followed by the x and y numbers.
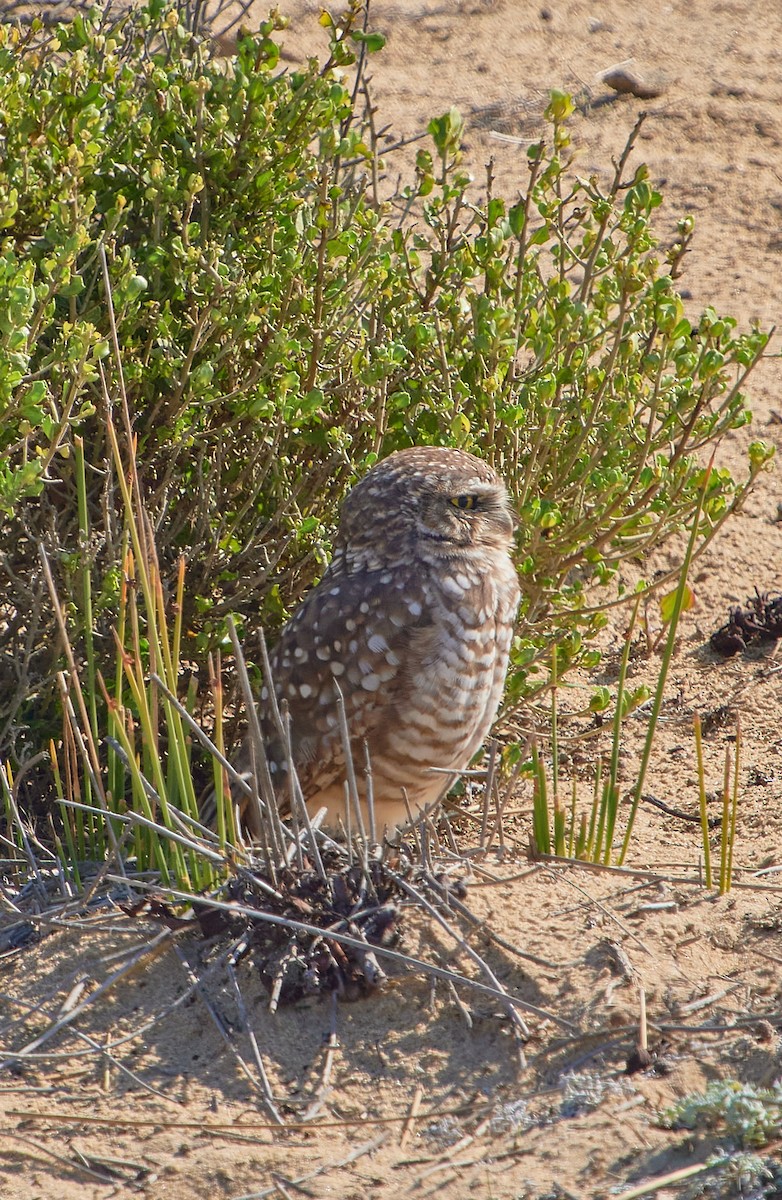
pixel 10 820
pixel 554 731
pixel 602 816
pixel 559 811
pixel 581 840
pixel 72 778
pixel 67 818
pixel 226 828
pixel 96 843
pixel 612 788
pixel 734 805
pixel 116 768
pixel 540 815
pixel 702 799
pixel 560 825
pixel 589 844
pixel 134 674
pixel 86 582
pixel 666 662
pixel 725 829
pixel 571 849
pixel 141 799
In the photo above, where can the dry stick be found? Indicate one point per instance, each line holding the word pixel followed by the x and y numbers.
pixel 31 859
pixel 616 894
pixel 368 779
pixel 520 1026
pixel 452 848
pixel 703 811
pixel 653 1186
pixel 426 855
pixel 461 1006
pixel 274 995
pixel 514 775
pixel 207 843
pixel 459 906
pixel 134 818
pixel 283 729
pixel 111 1161
pixel 468 1138
pixel 128 1037
pixel 227 1127
pixel 237 780
pixel 732 1026
pixel 413 824
pixel 112 1061
pixel 298 803
pixel 155 945
pixel 92 761
pixel 266 807
pixel 707 1001
pixel 87 751
pixel 293 800
pixel 345 939
pixel 332 1045
pixel 66 889
pixel 72 1163
pixel 374 975
pixel 359 1152
pixel 267 1090
pixel 643 1032
pixel 263 1086
pixel 488 789
pixel 734 801
pixel 29 1009
pixel 607 912
pixel 604 869
pixel 350 770
pixel 407 1128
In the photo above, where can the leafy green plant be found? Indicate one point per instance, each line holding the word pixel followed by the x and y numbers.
pixel 747 1115
pixel 281 325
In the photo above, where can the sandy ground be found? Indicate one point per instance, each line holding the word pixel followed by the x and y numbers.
pixel 142 1095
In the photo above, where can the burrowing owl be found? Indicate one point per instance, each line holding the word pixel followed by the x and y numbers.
pixel 413 621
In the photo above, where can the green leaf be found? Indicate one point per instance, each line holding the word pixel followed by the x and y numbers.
pixel 668 603
pixel 517 217
pixel 446 132
pixel 372 41
pixel 599 700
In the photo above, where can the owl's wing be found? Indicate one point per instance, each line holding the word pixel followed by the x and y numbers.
pixel 354 631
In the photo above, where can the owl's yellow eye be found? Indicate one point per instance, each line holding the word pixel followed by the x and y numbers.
pixel 466 502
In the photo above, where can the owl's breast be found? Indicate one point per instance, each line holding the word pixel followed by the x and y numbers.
pixel 456 667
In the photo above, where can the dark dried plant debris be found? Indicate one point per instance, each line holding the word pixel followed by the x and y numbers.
pixel 761 620
pixel 647 1060
pixel 361 902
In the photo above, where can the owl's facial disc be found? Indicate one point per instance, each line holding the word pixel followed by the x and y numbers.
pixel 479 514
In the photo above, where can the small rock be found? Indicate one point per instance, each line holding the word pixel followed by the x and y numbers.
pixel 621 79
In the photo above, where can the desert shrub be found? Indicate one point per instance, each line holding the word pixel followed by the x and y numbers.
pixel 281 323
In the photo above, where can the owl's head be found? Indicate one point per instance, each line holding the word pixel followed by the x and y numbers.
pixel 426 499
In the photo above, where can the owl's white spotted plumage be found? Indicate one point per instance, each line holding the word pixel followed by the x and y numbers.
pixel 413 620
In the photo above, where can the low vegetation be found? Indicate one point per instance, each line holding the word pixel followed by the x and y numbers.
pixel 284 317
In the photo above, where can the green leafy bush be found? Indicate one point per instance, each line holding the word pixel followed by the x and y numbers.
pixel 279 326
